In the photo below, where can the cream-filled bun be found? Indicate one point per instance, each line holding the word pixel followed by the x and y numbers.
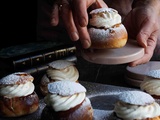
pixel 151 84
pixel 59 70
pixel 17 95
pixel 106 29
pixel 67 101
pixel 137 105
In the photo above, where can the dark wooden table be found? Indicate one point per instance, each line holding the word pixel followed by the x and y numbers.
pixel 105 74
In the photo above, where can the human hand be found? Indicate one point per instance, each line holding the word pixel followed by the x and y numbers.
pixel 75 17
pixel 142 24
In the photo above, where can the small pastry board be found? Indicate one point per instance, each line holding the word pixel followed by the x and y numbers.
pixel 130 52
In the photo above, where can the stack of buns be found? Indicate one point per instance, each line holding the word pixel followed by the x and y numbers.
pixel 106 29
pixel 17 95
pixel 59 70
pixel 67 100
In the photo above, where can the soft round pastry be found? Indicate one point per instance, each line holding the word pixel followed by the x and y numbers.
pixel 59 70
pixel 137 105
pixel 151 83
pixel 17 95
pixel 67 101
pixel 106 29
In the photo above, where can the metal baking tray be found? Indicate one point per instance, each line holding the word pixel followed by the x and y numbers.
pixel 102 98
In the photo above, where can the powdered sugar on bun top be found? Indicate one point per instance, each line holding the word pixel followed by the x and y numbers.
pixel 60 64
pixel 136 98
pixel 65 88
pixel 104 17
pixel 100 10
pixel 64 95
pixel 16 78
pixel 154 73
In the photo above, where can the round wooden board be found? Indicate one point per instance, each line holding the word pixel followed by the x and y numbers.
pixel 139 72
pixel 130 52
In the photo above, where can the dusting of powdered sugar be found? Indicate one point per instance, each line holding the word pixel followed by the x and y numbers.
pixel 65 88
pixel 154 73
pixel 15 78
pixel 136 97
pixel 102 34
pixel 99 10
pixel 61 64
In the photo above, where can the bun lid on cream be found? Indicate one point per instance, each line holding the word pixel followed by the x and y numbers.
pixel 16 78
pixel 61 64
pixel 154 73
pixel 65 88
pixel 104 17
pixel 136 97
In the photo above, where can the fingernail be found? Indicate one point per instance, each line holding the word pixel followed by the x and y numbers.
pixel 74 36
pixel 145 44
pixel 53 22
pixel 86 44
pixel 143 38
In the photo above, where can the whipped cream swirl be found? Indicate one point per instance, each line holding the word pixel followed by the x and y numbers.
pixel 151 86
pixel 63 103
pixel 69 74
pixel 136 112
pixel 17 90
pixel 104 17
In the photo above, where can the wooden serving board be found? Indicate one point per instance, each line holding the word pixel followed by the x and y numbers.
pixel 130 52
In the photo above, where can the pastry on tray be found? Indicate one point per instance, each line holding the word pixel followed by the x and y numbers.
pixel 59 70
pixel 151 83
pixel 17 95
pixel 136 105
pixel 106 29
pixel 67 101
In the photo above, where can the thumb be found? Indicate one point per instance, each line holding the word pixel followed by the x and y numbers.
pixel 145 31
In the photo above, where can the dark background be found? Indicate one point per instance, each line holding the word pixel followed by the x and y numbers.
pixel 17 22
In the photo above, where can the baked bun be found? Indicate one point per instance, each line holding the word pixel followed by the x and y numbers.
pixel 17 96
pixel 59 70
pixel 151 84
pixel 106 30
pixel 67 101
pixel 137 105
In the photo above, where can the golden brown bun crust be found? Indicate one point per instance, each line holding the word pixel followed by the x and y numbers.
pixel 18 106
pixel 155 118
pixel 115 37
pixel 154 96
pixel 80 112
pixel 44 83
